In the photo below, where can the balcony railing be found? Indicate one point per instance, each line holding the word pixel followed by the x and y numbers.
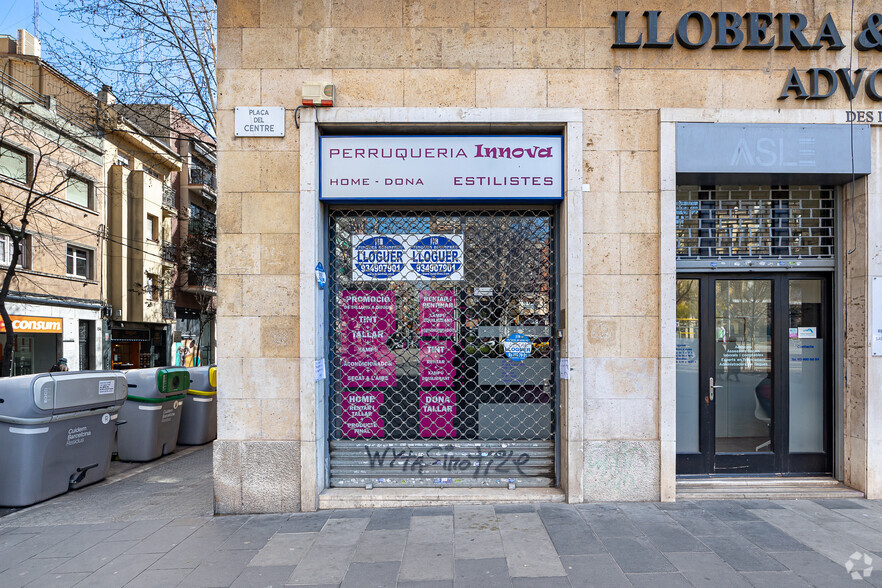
pixel 207 281
pixel 204 177
pixel 168 197
pixel 168 309
pixel 168 251
pixel 203 224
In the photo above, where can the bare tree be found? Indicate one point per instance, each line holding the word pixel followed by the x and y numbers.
pixel 39 160
pixel 150 51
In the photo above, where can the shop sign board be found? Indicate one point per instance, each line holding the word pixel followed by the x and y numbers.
pixel 437 411
pixel 772 148
pixel 414 257
pixel 33 324
pixel 361 414
pixel 436 363
pixel 436 313
pixel 449 168
pixel 367 321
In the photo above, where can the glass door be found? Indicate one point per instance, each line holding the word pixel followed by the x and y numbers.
pixel 753 376
pixel 741 385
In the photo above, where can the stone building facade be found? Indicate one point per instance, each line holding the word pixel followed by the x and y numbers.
pixel 691 290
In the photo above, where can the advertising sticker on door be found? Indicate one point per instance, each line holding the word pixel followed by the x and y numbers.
pixel 407 258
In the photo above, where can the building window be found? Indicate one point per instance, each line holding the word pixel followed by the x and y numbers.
pixel 151 287
pixel 152 228
pixel 79 191
pixel 123 159
pixel 79 262
pixel 14 164
pixel 6 248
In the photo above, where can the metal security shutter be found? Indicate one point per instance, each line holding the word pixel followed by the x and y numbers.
pixel 755 226
pixel 442 370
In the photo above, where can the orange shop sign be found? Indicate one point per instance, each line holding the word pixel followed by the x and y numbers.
pixel 33 324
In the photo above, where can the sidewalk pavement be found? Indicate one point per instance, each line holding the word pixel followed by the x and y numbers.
pixel 151 526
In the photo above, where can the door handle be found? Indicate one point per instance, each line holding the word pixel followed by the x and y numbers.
pixel 712 387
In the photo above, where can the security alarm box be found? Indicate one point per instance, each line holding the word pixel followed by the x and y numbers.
pixel 318 94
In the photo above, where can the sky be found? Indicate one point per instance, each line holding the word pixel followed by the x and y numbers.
pixel 19 14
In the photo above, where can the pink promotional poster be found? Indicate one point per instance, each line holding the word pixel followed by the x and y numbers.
pixel 436 363
pixel 437 410
pixel 367 322
pixel 361 415
pixel 436 313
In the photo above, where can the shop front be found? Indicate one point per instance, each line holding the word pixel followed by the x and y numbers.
pixel 138 346
pixel 759 244
pixel 43 334
pixel 36 345
pixel 442 310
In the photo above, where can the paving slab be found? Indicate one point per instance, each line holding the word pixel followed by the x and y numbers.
pixel 659 580
pixel 427 561
pixel 486 573
pixel 568 531
pixel 323 564
pixel 263 576
pixel 372 575
pixel 380 546
pixel 284 549
pixel 637 554
pixel 220 568
pixel 527 546
pixel 594 570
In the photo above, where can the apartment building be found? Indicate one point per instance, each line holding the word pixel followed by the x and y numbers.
pixel 51 160
pixel 141 262
pixel 111 227
pixel 194 230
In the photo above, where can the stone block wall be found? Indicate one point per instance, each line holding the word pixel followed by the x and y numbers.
pixel 471 53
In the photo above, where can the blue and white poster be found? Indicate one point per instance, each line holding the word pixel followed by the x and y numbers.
pixel 407 258
pixel 378 257
pixel 517 347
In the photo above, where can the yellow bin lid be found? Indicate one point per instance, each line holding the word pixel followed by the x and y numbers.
pixel 212 376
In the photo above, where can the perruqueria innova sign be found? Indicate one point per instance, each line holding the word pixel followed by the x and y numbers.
pixel 469 167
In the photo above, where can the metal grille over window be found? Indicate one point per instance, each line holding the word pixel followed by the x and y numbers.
pixel 771 226
pixel 442 349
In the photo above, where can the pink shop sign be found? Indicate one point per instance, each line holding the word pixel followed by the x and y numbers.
pixel 437 411
pixel 436 313
pixel 367 316
pixel 367 322
pixel 361 415
pixel 436 363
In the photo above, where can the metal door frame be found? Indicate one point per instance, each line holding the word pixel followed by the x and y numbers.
pixel 780 462
pixel 555 210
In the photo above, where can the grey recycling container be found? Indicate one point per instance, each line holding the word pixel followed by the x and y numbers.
pixel 56 432
pixel 199 419
pixel 151 414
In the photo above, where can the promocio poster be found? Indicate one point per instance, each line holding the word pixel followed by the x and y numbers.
pixel 436 313
pixel 437 411
pixel 367 322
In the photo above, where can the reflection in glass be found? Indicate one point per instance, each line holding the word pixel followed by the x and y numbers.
pixel 687 366
pixel 743 366
pixel 806 367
